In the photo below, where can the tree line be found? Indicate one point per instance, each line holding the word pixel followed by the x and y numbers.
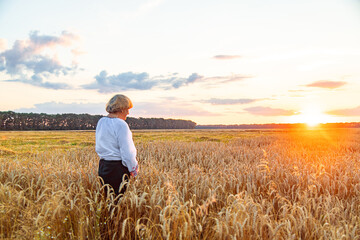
pixel 280 126
pixel 10 121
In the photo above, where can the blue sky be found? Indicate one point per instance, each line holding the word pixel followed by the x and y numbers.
pixel 209 61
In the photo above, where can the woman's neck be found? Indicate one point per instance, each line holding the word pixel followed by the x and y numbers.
pixel 117 115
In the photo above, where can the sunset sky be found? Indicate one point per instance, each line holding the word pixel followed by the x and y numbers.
pixel 213 62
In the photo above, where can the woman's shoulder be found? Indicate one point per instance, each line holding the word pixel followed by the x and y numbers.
pixel 121 125
pixel 118 122
pixel 113 121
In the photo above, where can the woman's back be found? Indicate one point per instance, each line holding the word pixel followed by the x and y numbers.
pixel 114 140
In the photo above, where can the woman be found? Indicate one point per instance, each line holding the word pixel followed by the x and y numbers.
pixel 114 144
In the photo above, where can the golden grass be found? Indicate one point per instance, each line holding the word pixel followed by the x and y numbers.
pixel 244 185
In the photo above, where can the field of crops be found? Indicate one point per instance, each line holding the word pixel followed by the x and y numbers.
pixel 196 184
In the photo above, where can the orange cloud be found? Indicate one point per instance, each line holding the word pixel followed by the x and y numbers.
pixel 327 84
pixel 77 52
pixel 217 101
pixel 346 112
pixel 267 111
pixel 3 44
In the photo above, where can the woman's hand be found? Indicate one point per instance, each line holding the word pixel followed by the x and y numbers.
pixel 135 172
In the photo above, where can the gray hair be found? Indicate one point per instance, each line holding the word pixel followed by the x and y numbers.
pixel 118 103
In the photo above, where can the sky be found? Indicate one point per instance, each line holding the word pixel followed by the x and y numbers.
pixel 212 62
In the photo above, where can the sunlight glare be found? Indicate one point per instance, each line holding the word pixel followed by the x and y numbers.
pixel 312 116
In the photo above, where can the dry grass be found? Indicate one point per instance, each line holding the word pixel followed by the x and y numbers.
pixel 272 185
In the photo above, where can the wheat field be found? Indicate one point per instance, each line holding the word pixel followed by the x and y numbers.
pixel 301 184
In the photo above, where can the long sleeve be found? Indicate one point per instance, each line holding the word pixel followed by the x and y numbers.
pixel 127 147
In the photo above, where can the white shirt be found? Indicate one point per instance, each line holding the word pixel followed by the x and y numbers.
pixel 114 142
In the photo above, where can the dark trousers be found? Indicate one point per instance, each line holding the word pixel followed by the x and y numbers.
pixel 113 173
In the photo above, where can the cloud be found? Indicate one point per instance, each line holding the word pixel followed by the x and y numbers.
pixel 346 112
pixel 217 101
pixel 28 61
pixel 3 44
pixel 38 81
pixel 295 91
pixel 167 110
pixel 226 57
pixel 105 83
pixel 58 107
pixel 327 84
pixel 123 81
pixel 77 52
pixel 178 82
pixel 38 42
pixel 2 63
pixel 227 79
pixel 267 111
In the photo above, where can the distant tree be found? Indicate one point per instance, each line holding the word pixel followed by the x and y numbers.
pixel 34 121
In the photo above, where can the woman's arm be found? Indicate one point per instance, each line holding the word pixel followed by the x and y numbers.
pixel 127 148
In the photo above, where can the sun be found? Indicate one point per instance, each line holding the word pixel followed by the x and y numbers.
pixel 311 116
pixel 312 120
